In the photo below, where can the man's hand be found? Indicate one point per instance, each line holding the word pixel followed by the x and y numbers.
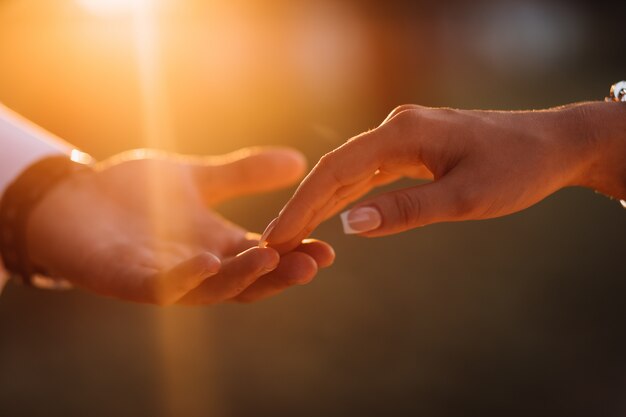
pixel 140 228
pixel 481 164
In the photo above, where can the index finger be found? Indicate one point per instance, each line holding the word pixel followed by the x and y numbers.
pixel 355 161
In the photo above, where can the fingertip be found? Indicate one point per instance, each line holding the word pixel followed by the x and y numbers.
pixel 294 160
pixel 286 247
pixel 309 269
pixel 290 164
pixel 298 268
pixel 323 253
pixel 272 259
pixel 266 259
pixel 280 237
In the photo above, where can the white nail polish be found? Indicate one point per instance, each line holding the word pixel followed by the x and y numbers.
pixel 360 220
pixel 346 225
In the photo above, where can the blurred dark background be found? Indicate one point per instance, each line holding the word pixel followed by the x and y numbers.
pixel 518 316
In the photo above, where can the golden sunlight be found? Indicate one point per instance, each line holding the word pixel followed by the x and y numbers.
pixel 112 7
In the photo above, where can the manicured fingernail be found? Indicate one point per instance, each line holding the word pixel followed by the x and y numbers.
pixel 266 233
pixel 360 220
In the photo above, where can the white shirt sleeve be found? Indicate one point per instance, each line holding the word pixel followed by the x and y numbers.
pixel 23 143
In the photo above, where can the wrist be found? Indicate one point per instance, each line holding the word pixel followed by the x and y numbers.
pixel 600 128
pixel 21 198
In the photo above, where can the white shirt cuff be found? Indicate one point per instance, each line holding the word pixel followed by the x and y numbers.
pixel 23 143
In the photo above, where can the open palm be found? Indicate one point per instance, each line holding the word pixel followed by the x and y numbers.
pixel 152 237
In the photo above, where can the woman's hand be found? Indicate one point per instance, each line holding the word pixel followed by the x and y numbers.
pixel 139 228
pixel 482 164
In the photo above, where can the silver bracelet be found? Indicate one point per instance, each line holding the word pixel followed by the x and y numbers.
pixel 618 92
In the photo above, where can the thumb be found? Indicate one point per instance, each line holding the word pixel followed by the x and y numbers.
pixel 402 210
pixel 249 171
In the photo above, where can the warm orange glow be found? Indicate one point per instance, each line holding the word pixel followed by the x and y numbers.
pixel 399 326
pixel 181 75
pixel 112 7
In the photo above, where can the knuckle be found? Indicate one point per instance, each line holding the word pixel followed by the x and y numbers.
pixel 407 209
pixel 402 108
pixel 404 117
pixel 324 164
pixel 325 160
pixel 328 167
pixel 407 119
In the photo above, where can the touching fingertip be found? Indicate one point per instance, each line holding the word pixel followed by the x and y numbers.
pixel 263 259
pixel 266 234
